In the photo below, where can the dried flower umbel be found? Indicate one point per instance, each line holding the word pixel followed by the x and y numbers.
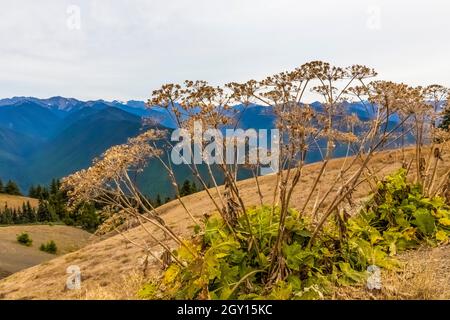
pixel 108 182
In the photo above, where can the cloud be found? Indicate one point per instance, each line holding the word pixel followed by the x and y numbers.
pixel 125 49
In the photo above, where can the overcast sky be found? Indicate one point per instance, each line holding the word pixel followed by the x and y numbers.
pixel 125 49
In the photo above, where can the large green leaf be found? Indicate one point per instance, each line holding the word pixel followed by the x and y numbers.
pixel 424 220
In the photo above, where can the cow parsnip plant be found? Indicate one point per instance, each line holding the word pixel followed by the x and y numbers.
pixel 396 218
pixel 334 126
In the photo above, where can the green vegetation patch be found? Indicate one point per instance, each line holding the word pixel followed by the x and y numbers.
pixel 24 239
pixel 220 262
pixel 49 247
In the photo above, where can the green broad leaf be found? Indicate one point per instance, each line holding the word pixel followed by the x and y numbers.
pixel 445 221
pixel 229 273
pixel 304 233
pixel 400 219
pixel 408 208
pixel 441 213
pixel 441 236
pixel 171 273
pixel 392 248
pixel 426 202
pixel 350 273
pixel 238 256
pixel 281 291
pixel 263 261
pixel 404 244
pixel 437 202
pixel 148 291
pixel 363 247
pixel 297 257
pixel 225 293
pixel 295 282
pixel 374 235
pixel 424 221
pixel 380 259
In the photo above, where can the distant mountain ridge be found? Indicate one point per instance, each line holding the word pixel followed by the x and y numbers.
pixel 41 139
pixel 68 104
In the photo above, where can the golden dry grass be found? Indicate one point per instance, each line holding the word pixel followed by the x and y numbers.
pixel 424 275
pixel 15 257
pixel 112 268
pixel 16 201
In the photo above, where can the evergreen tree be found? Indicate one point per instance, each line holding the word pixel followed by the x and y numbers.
pixel 32 192
pixel 88 218
pixel 44 194
pixel 7 217
pixel 42 213
pixel 57 202
pixel 23 217
pixel 185 188
pixel 52 214
pixel 52 207
pixel 1 186
pixel 15 216
pixel 30 213
pixel 158 201
pixel 188 188
pixel 54 187
pixel 38 192
pixel 12 188
pixel 3 214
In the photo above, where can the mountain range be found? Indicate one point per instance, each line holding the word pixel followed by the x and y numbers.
pixel 41 139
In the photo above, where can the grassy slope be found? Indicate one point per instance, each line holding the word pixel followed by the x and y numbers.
pixel 16 201
pixel 112 269
pixel 15 257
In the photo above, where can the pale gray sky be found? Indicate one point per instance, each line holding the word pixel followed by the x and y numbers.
pixel 123 50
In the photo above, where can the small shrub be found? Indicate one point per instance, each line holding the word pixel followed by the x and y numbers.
pixel 404 217
pixel 24 239
pixel 49 247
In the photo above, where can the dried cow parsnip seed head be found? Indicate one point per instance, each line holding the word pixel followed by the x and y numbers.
pixel 110 168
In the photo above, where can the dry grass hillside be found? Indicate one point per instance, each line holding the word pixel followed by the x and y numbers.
pixel 15 257
pixel 112 268
pixel 16 201
pixel 424 275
